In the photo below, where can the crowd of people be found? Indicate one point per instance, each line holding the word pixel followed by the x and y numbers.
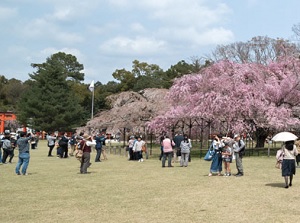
pixel 177 149
pixel 68 146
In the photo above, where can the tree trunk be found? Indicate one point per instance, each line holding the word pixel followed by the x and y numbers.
pixel 261 135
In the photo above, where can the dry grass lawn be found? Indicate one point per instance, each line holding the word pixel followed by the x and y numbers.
pixel 117 190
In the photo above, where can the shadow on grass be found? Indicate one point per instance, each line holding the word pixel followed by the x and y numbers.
pixel 281 185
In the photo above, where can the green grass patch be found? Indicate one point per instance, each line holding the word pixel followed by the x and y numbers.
pixel 118 190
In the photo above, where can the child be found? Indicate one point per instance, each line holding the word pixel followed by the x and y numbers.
pixel 227 158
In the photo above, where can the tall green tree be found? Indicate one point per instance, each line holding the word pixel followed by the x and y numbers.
pixel 50 102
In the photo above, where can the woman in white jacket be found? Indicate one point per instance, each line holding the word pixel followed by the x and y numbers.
pixel 137 148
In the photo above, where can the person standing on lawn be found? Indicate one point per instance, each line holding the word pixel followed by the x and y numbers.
pixel 168 151
pixel 137 148
pixel 216 163
pixel 185 146
pixel 177 140
pixel 288 164
pixel 85 146
pixel 51 143
pixel 238 148
pixel 98 147
pixel 24 156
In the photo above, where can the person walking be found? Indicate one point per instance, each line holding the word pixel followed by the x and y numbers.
pixel 130 147
pixel 7 147
pixel 168 151
pixel 13 141
pixel 288 164
pixel 238 147
pixel 24 156
pixel 185 147
pixel 297 144
pixel 51 143
pixel 137 148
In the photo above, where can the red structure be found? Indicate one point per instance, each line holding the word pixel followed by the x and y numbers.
pixel 6 116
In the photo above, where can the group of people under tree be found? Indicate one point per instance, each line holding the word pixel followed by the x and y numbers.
pixel 224 150
pixel 136 147
pixel 182 147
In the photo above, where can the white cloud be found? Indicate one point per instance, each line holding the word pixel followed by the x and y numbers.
pixel 174 21
pixel 137 27
pixel 41 28
pixel 51 50
pixel 7 13
pixel 130 46
pixel 216 36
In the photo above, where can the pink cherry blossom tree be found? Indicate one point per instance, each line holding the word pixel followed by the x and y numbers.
pixel 248 96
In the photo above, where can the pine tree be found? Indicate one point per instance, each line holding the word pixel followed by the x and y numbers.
pixel 50 102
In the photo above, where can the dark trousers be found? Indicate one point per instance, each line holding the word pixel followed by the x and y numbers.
pixel 169 155
pixel 137 155
pixel 131 154
pixel 161 153
pixel 59 152
pixel 298 159
pixel 11 155
pixel 97 159
pixel 6 153
pixel 85 162
pixel 50 150
pixel 65 151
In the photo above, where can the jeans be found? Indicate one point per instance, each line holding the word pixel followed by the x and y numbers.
pixel 184 159
pixel 0 155
pixel 98 155
pixel 169 154
pixel 23 160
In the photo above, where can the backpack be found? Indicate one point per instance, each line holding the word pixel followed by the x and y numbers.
pixel 7 145
pixel 242 151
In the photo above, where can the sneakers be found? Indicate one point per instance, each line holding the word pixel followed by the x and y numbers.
pixel 142 160
pixel 139 160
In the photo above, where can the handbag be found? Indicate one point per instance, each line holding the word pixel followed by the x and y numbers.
pixel 209 155
pixel 278 164
pixel 144 148
pixel 279 157
pixel 79 153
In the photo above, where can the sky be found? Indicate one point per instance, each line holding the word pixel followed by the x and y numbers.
pixel 106 35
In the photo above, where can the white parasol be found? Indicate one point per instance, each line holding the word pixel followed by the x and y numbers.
pixel 284 136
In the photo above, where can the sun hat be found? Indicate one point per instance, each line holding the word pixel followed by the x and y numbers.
pixel 86 136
